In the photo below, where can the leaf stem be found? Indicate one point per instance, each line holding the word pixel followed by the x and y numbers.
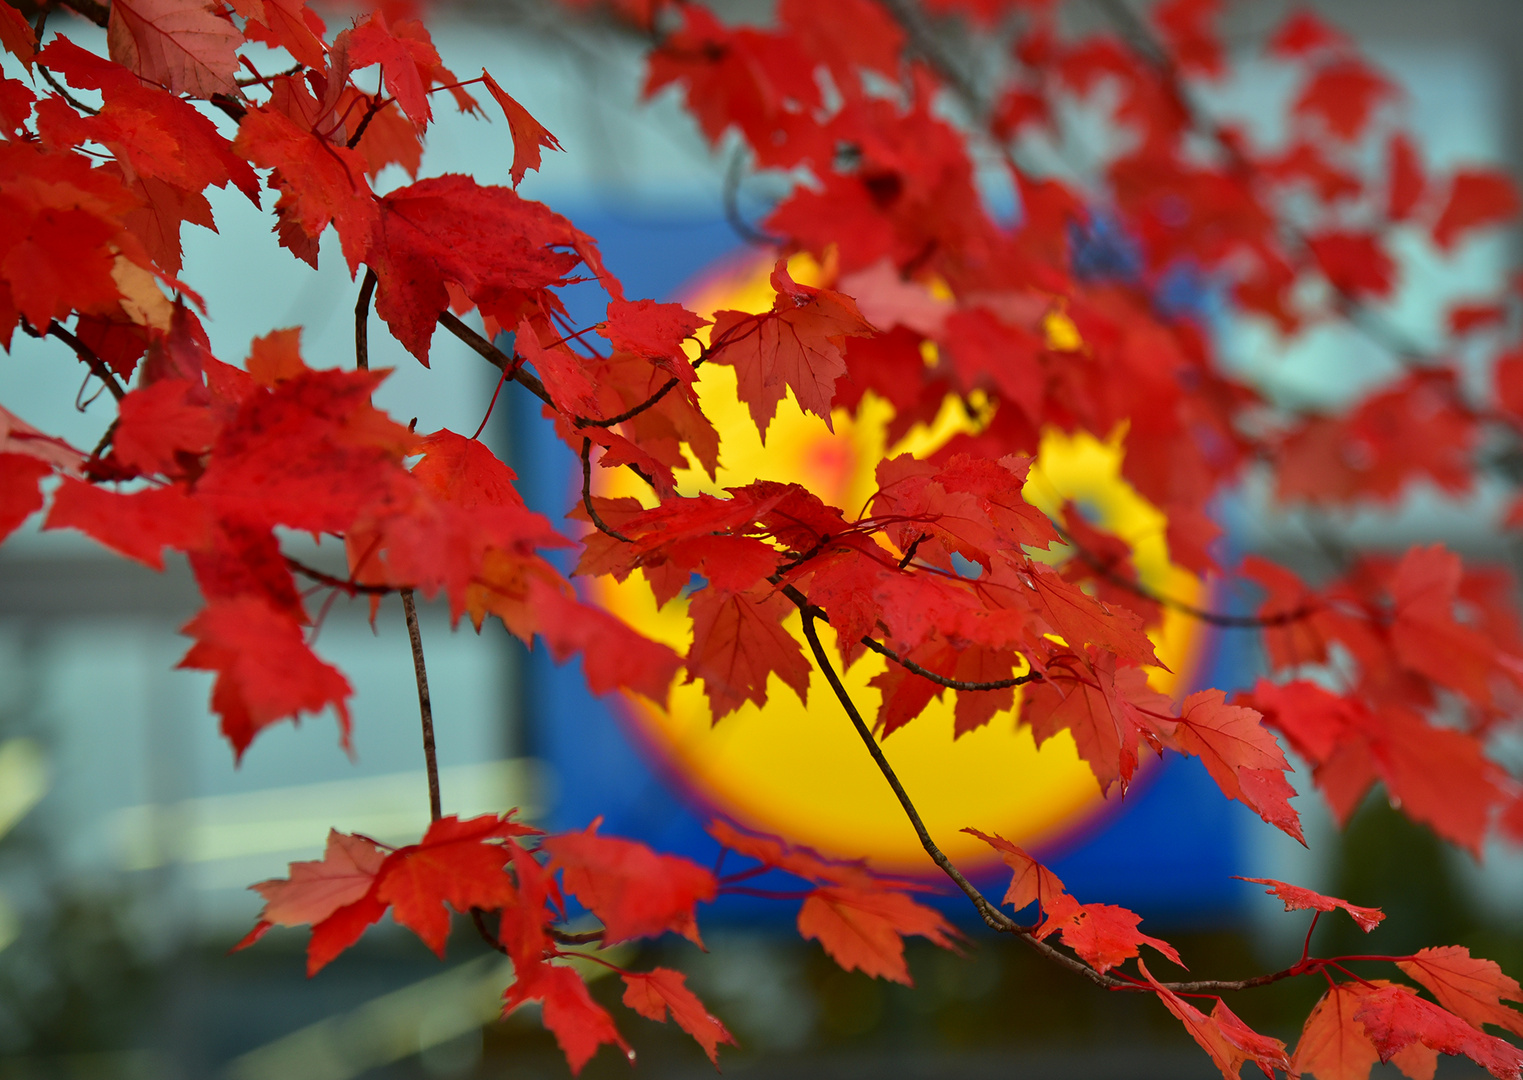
pixel 348 585
pixel 86 354
pixel 362 321
pixel 1215 618
pixel 592 513
pixel 949 683
pixel 425 706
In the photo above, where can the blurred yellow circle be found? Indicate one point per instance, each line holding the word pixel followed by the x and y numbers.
pixel 801 771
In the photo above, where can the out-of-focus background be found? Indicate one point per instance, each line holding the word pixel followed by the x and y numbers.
pixel 128 837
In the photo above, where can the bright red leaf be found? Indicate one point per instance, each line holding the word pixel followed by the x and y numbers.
pixel 1478 199
pixel 528 133
pixel 182 44
pixel 265 671
pixel 652 993
pixel 139 525
pixel 796 346
pixel 633 890
pixel 864 929
pixel 1299 899
pixel 1471 988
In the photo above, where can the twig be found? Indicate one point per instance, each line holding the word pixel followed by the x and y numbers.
pixel 377 103
pixel 349 585
pixel 597 520
pixel 922 38
pixel 995 918
pixel 94 10
pixel 105 440
pixel 425 707
pixel 731 192
pixel 62 91
pixel 96 365
pixel 362 321
pixel 992 915
pixel 942 680
pixel 495 356
pixel 1214 618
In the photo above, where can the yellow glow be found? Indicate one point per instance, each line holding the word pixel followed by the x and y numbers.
pixel 802 772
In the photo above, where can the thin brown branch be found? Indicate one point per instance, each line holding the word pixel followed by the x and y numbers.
pixel 731 192
pixel 1223 619
pixel 425 705
pixel 97 12
pixel 96 365
pixel 592 513
pixel 478 919
pixel 377 103
pixel 105 440
pixel 949 683
pixel 993 917
pixel 362 320
pixel 62 90
pixel 265 80
pixel 511 365
pixel 586 937
pixel 922 38
pixel 347 585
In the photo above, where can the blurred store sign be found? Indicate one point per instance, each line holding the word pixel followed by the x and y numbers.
pixel 231 839
pixel 661 774
pixel 799 770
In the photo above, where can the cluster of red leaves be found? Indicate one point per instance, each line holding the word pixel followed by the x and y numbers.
pixel 858 917
pixel 481 866
pixel 1067 319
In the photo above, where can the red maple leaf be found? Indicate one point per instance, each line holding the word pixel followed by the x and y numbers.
pixel 406 61
pixel 1299 899
pixel 1355 263
pixel 1242 756
pixel 315 890
pixel 320 183
pixel 1395 1018
pixel 1229 1042
pixel 456 864
pixel 738 642
pixel 1343 94
pixel 501 250
pixel 528 133
pixel 182 44
pixel 652 993
pixel 796 346
pixel 633 890
pixel 1408 183
pixel 20 496
pixel 654 331
pixel 1333 1044
pixel 265 671
pixel 1471 988
pixel 1105 935
pixel 17 35
pixel 287 24
pixel 863 929
pixel 1427 638
pixel 162 425
pixel 580 1024
pixel 139 525
pixel 1031 882
pixel 1478 199
pixel 1302 33
pixel 801 862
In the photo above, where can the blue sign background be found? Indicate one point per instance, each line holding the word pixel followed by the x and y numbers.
pixel 1168 850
